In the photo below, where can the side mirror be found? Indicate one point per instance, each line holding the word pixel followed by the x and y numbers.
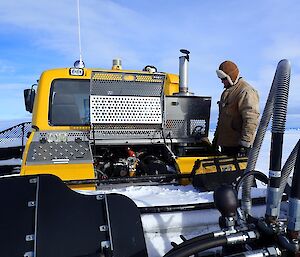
pixel 29 95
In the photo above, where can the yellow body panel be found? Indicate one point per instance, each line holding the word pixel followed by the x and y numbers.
pixel 186 165
pixel 40 122
pixel 41 103
pixel 172 84
pixel 64 172
pixel 207 165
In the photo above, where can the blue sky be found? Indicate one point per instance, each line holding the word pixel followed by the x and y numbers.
pixel 39 35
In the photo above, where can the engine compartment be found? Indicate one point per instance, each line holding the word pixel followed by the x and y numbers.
pixel 129 161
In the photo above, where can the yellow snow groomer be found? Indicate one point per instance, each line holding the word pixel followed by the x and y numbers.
pixel 96 126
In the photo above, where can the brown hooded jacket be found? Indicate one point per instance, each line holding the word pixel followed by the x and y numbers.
pixel 238 115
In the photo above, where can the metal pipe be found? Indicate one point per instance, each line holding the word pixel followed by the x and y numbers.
pixel 183 74
pixel 117 64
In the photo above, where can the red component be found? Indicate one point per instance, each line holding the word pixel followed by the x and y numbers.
pixel 130 152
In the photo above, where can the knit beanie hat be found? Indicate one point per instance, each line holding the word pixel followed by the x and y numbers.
pixel 230 71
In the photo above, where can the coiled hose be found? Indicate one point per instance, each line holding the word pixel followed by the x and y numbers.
pixel 254 151
pixel 294 199
pixel 261 131
pixel 287 169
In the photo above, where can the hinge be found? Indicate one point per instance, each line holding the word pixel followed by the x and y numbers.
pixel 105 244
pixel 29 254
pixel 99 197
pixel 29 238
pixel 31 203
pixel 103 228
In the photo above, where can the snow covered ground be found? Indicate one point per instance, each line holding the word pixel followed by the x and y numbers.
pixel 161 229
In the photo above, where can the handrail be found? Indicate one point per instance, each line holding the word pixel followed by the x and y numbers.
pixel 15 132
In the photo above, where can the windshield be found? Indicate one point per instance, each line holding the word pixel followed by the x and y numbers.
pixel 69 102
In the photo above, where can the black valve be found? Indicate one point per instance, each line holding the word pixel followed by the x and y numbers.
pixel 226 200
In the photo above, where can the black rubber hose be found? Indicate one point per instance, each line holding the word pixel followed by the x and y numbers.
pixel 278 128
pixel 254 151
pixel 287 168
pixel 196 247
pixel 196 239
pixel 279 86
pixel 295 189
pixel 257 174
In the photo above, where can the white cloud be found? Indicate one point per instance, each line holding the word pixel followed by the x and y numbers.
pixel 144 32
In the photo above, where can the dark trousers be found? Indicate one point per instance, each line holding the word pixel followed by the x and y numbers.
pixel 230 150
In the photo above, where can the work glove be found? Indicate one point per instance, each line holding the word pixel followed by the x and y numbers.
pixel 214 144
pixel 243 151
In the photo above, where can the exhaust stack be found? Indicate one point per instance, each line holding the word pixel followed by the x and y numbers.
pixel 117 64
pixel 183 73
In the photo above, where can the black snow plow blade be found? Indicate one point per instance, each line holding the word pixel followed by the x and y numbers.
pixel 42 217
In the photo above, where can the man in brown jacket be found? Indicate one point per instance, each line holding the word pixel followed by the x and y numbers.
pixel 238 112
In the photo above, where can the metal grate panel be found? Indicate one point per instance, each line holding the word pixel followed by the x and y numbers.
pixel 197 126
pixel 15 136
pixel 126 84
pixel 51 151
pixel 126 110
pixel 177 128
pixel 51 146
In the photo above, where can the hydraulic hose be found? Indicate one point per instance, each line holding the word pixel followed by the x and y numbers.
pixel 294 199
pixel 255 173
pixel 282 75
pixel 196 247
pixel 264 252
pixel 246 203
pixel 278 128
pixel 287 169
pixel 196 239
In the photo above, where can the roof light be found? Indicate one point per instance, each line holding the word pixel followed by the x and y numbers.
pixel 76 72
pixel 79 64
pixel 150 69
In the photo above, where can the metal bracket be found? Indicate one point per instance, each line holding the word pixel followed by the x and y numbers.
pixel 31 204
pixel 103 228
pixel 105 244
pixel 99 197
pixel 29 254
pixel 33 180
pixel 30 237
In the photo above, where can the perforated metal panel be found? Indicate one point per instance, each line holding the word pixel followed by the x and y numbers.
pixel 197 126
pixel 53 151
pixel 59 146
pixel 126 84
pixel 126 110
pixel 178 128
pixel 126 105
pixel 126 131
